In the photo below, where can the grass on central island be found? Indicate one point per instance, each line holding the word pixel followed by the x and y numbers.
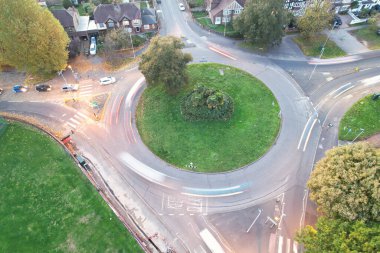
pixel 212 146
pixel 47 204
pixel 365 114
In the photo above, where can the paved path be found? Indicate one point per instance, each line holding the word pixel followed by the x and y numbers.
pixel 346 41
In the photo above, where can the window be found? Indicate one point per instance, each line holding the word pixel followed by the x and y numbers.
pixel 146 27
pixel 217 20
pixel 237 11
pixel 125 22
pixel 226 19
pixel 110 23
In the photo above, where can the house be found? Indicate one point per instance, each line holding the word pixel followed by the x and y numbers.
pixel 149 19
pixel 222 11
pixel 345 5
pixel 75 26
pixel 110 16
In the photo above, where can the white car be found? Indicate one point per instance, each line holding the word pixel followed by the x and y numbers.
pixel 181 7
pixel 93 46
pixel 70 87
pixel 107 80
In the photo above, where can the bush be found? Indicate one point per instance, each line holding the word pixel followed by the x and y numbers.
pixel 207 104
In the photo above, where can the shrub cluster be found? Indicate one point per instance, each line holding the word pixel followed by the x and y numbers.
pixel 205 103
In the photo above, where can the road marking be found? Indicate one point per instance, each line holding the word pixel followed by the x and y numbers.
pixel 371 80
pixel 295 247
pixel 85 92
pixel 316 61
pixel 341 87
pixel 218 192
pixel 72 125
pixel 222 53
pixel 303 132
pixel 85 86
pixel 328 79
pixel 133 91
pixel 74 121
pixel 280 242
pixel 254 221
pixel 308 136
pixel 325 73
pixel 343 91
pixel 288 245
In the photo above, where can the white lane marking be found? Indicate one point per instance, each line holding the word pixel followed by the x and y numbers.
pixel 254 221
pixel 295 247
pixel 72 125
pixel 371 80
pixel 308 136
pixel 303 132
pixel 77 117
pixel 82 115
pixel 280 242
pixel 84 86
pixel 317 61
pixel 133 90
pixel 304 203
pixel 343 91
pixel 288 245
pixel 222 53
pixel 325 73
pixel 341 87
pixel 328 79
pixel 74 121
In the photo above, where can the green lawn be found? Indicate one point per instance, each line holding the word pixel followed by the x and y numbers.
pixel 368 37
pixel 203 19
pixel 47 204
pixel 313 47
pixel 364 114
pixel 212 146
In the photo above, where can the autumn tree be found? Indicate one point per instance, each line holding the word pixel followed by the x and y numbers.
pixel 337 236
pixel 262 22
pixel 165 63
pixel 346 183
pixel 31 39
pixel 317 17
pixel 67 3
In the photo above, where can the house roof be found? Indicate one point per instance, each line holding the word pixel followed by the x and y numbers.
pixel 223 4
pixel 148 11
pixel 63 17
pixel 116 12
pixel 148 20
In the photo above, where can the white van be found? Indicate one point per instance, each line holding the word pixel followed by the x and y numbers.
pixel 93 46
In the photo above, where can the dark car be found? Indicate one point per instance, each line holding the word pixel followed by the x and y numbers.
pixel 43 87
pixel 337 21
pixel 19 88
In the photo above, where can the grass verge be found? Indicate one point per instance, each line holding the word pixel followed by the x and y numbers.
pixel 205 22
pixel 368 37
pixel 47 204
pixel 212 146
pixel 313 47
pixel 362 115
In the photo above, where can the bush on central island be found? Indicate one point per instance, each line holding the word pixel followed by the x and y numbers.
pixel 204 103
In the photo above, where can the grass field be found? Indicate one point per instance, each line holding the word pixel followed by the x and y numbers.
pixel 365 114
pixel 203 19
pixel 47 204
pixel 212 146
pixel 313 47
pixel 368 37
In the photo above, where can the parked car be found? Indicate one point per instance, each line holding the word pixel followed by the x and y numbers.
pixel 93 46
pixel 70 87
pixel 1 91
pixel 43 87
pixel 19 88
pixel 107 80
pixel 181 7
pixel 337 21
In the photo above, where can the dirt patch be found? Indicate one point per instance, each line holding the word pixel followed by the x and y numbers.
pixel 374 140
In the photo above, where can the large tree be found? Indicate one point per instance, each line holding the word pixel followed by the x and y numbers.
pixel 346 183
pixel 165 63
pixel 317 17
pixel 338 236
pixel 262 22
pixel 31 39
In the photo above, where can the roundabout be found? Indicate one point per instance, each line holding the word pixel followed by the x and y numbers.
pixel 210 145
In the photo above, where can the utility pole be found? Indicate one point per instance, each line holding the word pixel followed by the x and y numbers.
pixel 130 37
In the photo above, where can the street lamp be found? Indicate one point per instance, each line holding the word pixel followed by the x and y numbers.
pixel 61 74
pixel 361 131
pixel 74 74
pixel 130 37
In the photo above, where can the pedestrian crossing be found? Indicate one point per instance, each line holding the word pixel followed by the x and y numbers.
pixel 282 245
pixel 77 120
pixel 85 90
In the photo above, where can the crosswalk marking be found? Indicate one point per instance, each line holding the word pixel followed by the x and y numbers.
pixel 72 125
pixel 84 86
pixel 82 115
pixel 75 121
pixel 280 241
pixel 295 247
pixel 288 245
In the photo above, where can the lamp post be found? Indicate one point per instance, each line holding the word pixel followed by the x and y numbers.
pixel 225 24
pixel 130 37
pixel 322 50
pixel 74 74
pixel 61 74
pixel 361 131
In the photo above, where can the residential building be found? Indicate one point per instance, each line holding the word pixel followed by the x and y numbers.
pixel 345 5
pixel 149 19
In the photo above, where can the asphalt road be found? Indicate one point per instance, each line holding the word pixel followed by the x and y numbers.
pixel 255 209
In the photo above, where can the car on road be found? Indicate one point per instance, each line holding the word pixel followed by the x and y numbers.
pixel 181 6
pixel 337 21
pixel 93 46
pixel 107 80
pixel 43 87
pixel 19 88
pixel 70 87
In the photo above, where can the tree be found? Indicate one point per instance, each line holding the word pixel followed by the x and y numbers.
pixel 337 236
pixel 67 3
pixel 117 39
pixel 165 63
pixel 316 18
pixel 31 39
pixel 346 183
pixel 262 22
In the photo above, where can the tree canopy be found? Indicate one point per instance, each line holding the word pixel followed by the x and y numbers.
pixel 165 63
pixel 338 236
pixel 317 17
pixel 346 183
pixel 262 22
pixel 31 39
